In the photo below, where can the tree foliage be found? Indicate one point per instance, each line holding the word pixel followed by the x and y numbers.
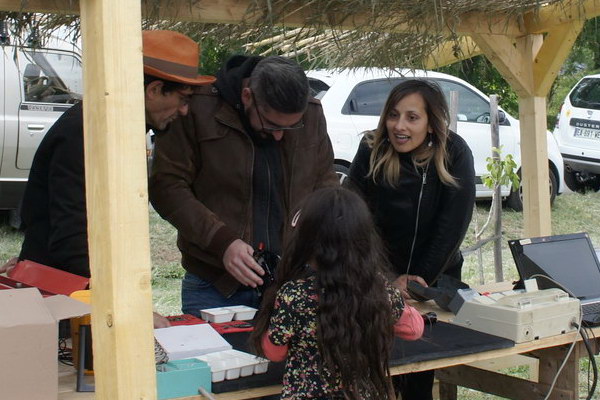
pixel 584 59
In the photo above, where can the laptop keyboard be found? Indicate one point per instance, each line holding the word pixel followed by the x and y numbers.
pixel 590 308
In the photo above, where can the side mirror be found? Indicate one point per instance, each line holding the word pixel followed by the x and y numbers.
pixel 501 117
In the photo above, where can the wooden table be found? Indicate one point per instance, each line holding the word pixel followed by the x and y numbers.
pixel 453 371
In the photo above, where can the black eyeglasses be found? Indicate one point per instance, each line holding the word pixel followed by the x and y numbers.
pixel 273 127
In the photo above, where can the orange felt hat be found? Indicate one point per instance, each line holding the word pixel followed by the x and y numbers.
pixel 173 56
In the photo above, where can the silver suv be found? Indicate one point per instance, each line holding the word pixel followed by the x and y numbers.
pixel 38 85
pixel 577 132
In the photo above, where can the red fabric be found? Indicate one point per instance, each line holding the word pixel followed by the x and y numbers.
pixel 410 326
pixel 273 352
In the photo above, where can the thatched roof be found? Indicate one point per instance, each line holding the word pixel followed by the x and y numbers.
pixel 334 33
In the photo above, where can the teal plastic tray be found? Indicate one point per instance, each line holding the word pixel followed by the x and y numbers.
pixel 182 378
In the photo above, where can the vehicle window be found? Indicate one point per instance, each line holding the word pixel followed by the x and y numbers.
pixel 51 77
pixel 368 98
pixel 471 106
pixel 586 94
pixel 317 87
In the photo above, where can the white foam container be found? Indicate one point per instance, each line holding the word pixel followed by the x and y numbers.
pixel 262 366
pixel 219 314
pixel 232 364
pixel 218 370
pixel 242 313
pixel 234 367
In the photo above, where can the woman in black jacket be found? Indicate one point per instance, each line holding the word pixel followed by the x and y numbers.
pixel 418 179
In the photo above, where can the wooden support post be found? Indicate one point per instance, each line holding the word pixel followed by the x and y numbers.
pixel 453 110
pixel 534 167
pixel 117 200
pixel 497 204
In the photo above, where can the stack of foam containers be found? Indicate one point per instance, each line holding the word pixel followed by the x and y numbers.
pixel 233 364
pixel 226 314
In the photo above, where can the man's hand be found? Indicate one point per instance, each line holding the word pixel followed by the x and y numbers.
pixel 402 282
pixel 160 321
pixel 241 265
pixel 10 264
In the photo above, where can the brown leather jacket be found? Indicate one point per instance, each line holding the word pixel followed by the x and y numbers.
pixel 201 179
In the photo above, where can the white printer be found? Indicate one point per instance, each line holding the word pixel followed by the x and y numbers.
pixel 521 315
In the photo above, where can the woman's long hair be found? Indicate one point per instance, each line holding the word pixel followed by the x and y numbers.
pixel 336 235
pixel 384 159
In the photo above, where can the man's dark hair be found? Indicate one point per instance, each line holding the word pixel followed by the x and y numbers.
pixel 281 84
pixel 168 86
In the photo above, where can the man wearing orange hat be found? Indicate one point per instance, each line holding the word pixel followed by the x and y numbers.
pixel 54 207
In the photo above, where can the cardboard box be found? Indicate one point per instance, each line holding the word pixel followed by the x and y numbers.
pixel 29 342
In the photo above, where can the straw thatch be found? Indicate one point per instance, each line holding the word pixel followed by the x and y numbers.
pixel 333 33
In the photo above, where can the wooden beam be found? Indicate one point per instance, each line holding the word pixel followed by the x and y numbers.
pixel 452 51
pixel 117 200
pixel 502 51
pixel 548 17
pixel 509 387
pixel 534 166
pixel 551 56
pixel 41 6
pixel 295 14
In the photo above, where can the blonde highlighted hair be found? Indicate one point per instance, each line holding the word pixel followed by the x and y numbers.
pixel 385 162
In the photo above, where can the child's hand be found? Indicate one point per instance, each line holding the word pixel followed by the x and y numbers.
pixel 241 265
pixel 402 282
pixel 159 321
pixel 10 264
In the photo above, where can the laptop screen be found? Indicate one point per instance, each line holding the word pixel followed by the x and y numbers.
pixel 568 259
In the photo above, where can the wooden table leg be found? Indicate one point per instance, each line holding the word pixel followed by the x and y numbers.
pixel 448 391
pixel 550 361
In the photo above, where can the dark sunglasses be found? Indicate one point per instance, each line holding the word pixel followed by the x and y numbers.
pixel 272 127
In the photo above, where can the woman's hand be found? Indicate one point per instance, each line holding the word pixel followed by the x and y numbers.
pixel 402 282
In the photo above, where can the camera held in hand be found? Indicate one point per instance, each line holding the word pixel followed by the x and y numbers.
pixel 268 262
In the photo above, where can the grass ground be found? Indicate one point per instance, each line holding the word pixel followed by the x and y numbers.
pixel 571 213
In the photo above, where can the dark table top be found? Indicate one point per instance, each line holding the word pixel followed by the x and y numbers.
pixel 440 340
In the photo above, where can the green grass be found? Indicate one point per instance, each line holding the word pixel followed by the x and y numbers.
pixel 571 213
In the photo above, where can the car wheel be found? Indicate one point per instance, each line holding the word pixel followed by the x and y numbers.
pixel 341 171
pixel 582 182
pixel 515 199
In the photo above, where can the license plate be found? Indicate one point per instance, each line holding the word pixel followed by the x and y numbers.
pixel 587 133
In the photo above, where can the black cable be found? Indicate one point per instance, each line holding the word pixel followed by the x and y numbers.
pixel 64 352
pixel 586 342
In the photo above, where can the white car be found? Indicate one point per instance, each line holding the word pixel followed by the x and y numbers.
pixel 577 132
pixel 353 99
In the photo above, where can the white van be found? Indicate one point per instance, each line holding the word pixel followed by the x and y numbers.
pixel 577 132
pixel 38 85
pixel 353 100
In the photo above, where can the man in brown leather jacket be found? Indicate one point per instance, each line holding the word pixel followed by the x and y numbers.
pixel 231 174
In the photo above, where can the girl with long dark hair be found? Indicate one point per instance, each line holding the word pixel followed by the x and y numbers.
pixel 419 182
pixel 332 311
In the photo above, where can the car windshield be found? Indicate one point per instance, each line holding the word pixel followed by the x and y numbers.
pixel 587 94
pixel 51 77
